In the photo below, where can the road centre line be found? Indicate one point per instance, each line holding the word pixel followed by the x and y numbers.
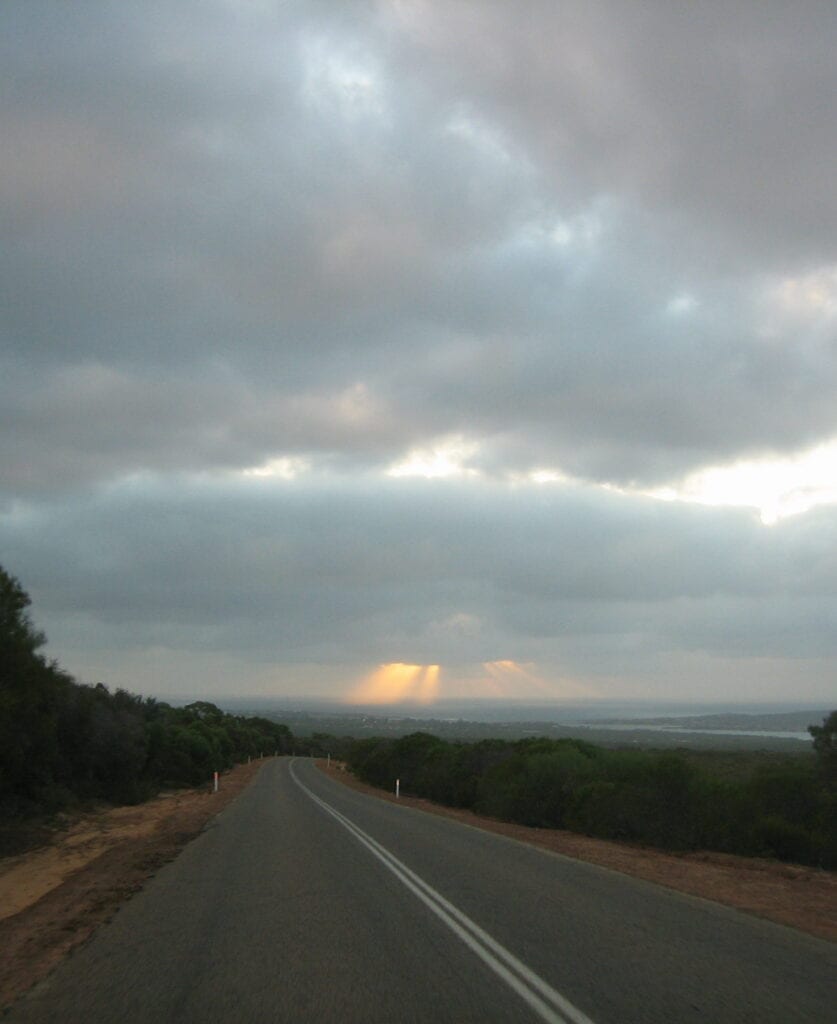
pixel 546 1002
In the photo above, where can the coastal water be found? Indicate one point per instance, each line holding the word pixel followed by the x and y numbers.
pixel 645 726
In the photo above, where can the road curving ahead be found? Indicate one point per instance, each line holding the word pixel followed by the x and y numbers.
pixel 308 901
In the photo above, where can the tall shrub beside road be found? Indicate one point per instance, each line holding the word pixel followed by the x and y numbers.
pixel 787 809
pixel 61 740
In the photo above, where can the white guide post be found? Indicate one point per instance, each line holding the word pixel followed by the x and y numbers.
pixel 398 787
pixel 215 782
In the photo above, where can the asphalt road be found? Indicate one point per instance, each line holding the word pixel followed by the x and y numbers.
pixel 307 901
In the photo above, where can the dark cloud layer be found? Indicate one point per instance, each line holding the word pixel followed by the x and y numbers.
pixel 330 572
pixel 596 239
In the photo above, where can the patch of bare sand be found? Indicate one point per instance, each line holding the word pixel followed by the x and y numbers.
pixel 52 899
pixel 26 878
pixel 789 894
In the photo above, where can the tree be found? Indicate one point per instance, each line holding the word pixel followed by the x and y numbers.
pixel 18 638
pixel 30 690
pixel 205 711
pixel 61 740
pixel 825 746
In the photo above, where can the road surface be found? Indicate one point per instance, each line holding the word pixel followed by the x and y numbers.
pixel 308 901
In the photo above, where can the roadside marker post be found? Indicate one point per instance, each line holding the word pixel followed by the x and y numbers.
pixel 398 787
pixel 215 782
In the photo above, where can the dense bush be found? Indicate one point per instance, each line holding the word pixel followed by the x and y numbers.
pixel 785 809
pixel 60 740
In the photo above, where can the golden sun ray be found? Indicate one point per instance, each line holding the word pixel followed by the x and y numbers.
pixel 427 688
pixel 512 679
pixel 396 682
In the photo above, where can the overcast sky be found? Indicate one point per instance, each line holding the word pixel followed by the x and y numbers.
pixel 345 340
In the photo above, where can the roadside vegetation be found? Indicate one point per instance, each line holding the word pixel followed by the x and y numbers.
pixel 62 742
pixel 782 806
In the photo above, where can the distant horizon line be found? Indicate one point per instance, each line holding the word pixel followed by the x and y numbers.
pixel 338 702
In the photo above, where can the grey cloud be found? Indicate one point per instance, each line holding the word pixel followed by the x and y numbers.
pixel 291 570
pixel 598 238
pixel 177 204
pixel 720 114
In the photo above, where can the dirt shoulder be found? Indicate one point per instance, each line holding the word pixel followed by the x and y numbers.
pixel 53 898
pixel 789 894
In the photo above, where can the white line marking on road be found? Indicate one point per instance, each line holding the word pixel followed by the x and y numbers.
pixel 547 1003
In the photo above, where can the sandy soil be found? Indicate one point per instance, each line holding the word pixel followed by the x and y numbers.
pixel 54 897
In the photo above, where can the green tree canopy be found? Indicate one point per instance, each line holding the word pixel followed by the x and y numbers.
pixel 17 635
pixel 825 746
